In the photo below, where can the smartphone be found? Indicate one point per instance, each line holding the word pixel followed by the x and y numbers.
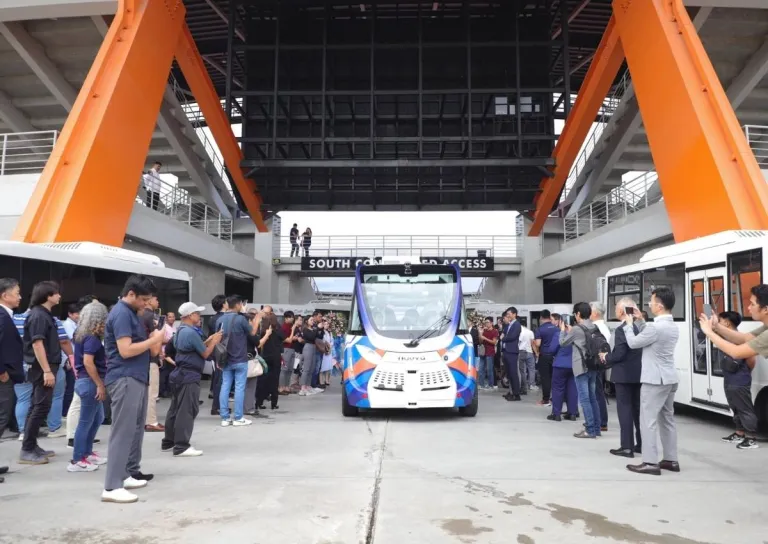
pixel 161 323
pixel 708 310
pixel 629 310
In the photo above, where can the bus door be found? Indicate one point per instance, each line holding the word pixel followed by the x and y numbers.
pixel 706 287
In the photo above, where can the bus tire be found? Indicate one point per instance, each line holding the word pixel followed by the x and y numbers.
pixel 471 410
pixel 347 410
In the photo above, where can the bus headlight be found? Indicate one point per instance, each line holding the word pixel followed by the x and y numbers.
pixel 369 354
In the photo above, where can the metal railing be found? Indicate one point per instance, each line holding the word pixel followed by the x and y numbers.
pixel 607 110
pixel 177 203
pixel 192 110
pixel 26 152
pixel 757 137
pixel 499 247
pixel 631 196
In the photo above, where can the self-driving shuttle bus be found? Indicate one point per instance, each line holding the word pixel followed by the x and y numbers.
pixel 408 345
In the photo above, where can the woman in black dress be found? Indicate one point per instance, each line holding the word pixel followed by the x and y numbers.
pixel 271 349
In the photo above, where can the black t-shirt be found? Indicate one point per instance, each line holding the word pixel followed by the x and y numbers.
pixel 147 319
pixel 294 234
pixel 41 325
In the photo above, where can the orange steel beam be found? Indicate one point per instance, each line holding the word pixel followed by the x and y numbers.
pixel 193 67
pixel 708 175
pixel 88 186
pixel 600 76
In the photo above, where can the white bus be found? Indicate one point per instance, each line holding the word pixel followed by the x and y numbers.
pixel 85 268
pixel 719 270
pixel 528 314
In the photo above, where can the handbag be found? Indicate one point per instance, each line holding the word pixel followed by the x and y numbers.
pixel 257 366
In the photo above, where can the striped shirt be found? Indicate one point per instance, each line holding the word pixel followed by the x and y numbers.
pixel 20 319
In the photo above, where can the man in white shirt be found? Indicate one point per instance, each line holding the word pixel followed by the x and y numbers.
pixel 526 361
pixel 153 184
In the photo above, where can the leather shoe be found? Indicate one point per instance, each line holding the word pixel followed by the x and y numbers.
pixel 2 479
pixel 638 449
pixel 3 470
pixel 553 417
pixel 645 468
pixel 623 453
pixel 159 428
pixel 672 466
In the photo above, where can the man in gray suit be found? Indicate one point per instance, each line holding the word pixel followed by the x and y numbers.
pixel 659 382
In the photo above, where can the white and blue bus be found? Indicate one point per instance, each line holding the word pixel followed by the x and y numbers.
pixel 408 344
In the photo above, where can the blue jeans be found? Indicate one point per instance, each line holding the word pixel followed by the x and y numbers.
pixel 585 385
pixel 91 417
pixel 485 371
pixel 238 373
pixel 318 366
pixel 24 401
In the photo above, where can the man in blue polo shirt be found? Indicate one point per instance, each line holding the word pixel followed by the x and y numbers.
pixel 128 352
pixel 548 340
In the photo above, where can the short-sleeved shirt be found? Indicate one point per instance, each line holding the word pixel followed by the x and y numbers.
pixel 550 338
pixel 123 322
pixel 525 340
pixel 40 324
pixel 760 342
pixel 20 319
pixel 189 356
pixel 490 349
pixel 236 329
pixel 287 334
pixel 91 345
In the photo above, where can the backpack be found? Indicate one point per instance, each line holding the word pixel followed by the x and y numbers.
pixel 219 354
pixel 596 344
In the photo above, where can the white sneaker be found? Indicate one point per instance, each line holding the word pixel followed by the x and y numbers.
pixel 318 389
pixel 226 422
pixel 189 452
pixel 61 432
pixel 21 437
pixel 242 422
pixel 132 483
pixel 81 466
pixel 96 459
pixel 121 495
pixel 303 393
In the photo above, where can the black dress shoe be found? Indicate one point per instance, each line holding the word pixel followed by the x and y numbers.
pixel 570 417
pixel 645 468
pixel 262 407
pixel 2 479
pixel 553 417
pixel 672 466
pixel 142 476
pixel 3 470
pixel 638 449
pixel 623 453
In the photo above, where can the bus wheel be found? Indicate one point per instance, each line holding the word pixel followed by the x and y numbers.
pixel 471 410
pixel 347 410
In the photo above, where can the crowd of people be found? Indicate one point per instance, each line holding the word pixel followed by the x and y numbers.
pixel 123 358
pixel 569 356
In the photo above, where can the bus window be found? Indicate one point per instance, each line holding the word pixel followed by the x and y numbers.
pixel 10 267
pixel 672 277
pixel 619 287
pixel 745 270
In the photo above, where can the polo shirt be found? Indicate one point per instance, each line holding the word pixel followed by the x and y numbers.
pixel 123 322
pixel 549 335
pixel 189 360
pixel 91 345
pixel 41 325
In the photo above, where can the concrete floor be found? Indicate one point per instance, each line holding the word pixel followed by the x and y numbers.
pixel 307 475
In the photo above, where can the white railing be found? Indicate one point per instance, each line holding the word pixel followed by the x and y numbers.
pixel 607 110
pixel 26 152
pixel 629 197
pixel 177 203
pixel 757 137
pixel 192 110
pixel 503 247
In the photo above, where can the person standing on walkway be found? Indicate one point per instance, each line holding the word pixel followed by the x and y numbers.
pixel 90 368
pixel 659 378
pixel 128 351
pixel 526 361
pixel 153 184
pixel 42 352
pixel 489 337
pixel 510 351
pixel 547 340
pixel 289 355
pixel 11 354
pixel 308 335
pixel 191 354
pixel 294 238
pixel 598 318
pixel 148 319
pixel 626 365
pixel 219 305
pixel 236 329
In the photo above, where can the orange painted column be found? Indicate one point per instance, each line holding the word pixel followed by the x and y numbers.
pixel 196 74
pixel 708 175
pixel 600 77
pixel 89 184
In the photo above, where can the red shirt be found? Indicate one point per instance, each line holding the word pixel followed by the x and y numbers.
pixel 490 349
pixel 286 333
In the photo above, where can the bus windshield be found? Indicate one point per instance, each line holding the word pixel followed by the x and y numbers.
pixel 405 306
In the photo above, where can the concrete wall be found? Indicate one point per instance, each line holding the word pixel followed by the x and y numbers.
pixel 24 10
pixel 283 288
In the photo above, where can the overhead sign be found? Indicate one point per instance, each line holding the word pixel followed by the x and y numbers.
pixel 349 264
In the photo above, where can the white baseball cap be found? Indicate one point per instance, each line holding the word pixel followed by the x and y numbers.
pixel 189 308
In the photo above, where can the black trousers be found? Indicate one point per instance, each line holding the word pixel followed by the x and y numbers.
pixel 165 386
pixel 545 375
pixel 180 419
pixel 601 402
pixel 7 404
pixel 42 398
pixel 69 392
pixel 628 410
pixel 513 375
pixel 267 386
pixel 152 199
pixel 216 389
pixel 740 401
